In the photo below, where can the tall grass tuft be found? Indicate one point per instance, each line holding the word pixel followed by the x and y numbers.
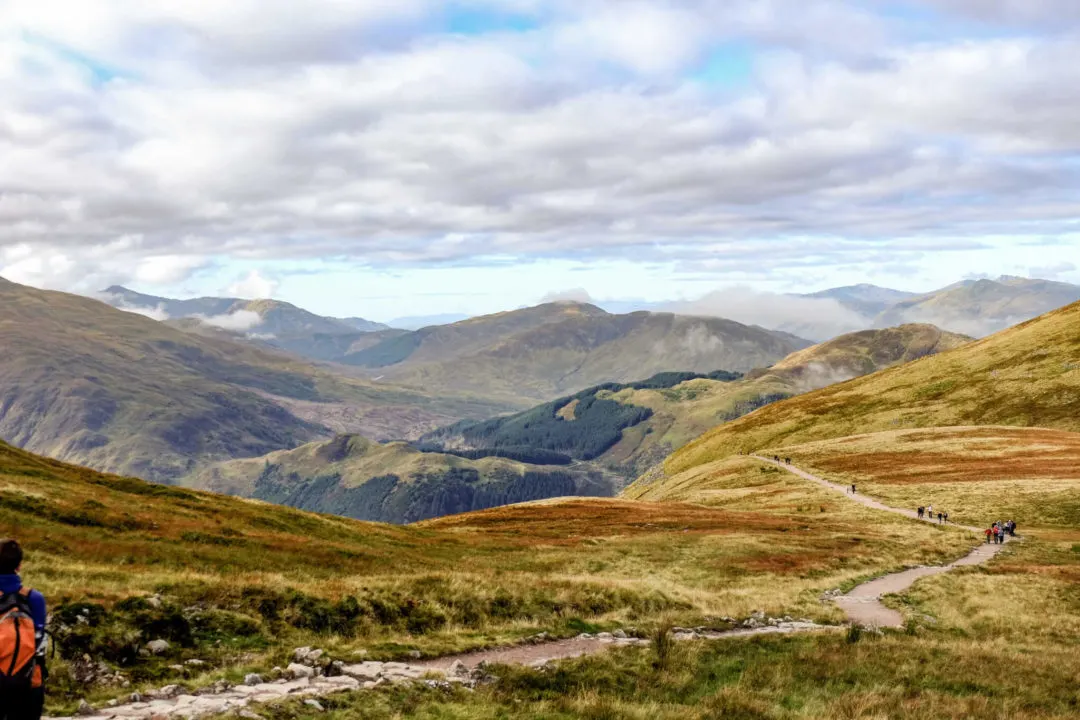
pixel 663 645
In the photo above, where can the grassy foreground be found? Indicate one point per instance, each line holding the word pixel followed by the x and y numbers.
pixel 241 582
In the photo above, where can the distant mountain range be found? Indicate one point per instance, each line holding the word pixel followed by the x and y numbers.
pixel 84 382
pixel 540 353
pixel 972 307
pixel 521 356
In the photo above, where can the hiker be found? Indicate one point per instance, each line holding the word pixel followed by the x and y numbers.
pixel 922 511
pixel 939 518
pixel 946 518
pixel 787 461
pixel 930 511
pixel 852 488
pixel 997 534
pixel 22 639
pixel 1012 528
pixel 989 534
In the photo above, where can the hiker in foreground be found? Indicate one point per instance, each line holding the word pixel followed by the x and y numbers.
pixel 22 640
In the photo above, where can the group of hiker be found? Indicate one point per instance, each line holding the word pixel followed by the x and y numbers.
pixel 996 533
pixel 22 640
pixel 927 513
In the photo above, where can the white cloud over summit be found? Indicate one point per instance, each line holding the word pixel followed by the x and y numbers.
pixel 145 142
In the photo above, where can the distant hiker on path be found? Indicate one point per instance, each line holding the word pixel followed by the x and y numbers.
pixel 922 511
pixel 22 640
pixel 946 518
pixel 989 534
pixel 852 488
pixel 930 511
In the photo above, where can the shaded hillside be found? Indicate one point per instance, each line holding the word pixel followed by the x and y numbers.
pixel 84 382
pixel 541 353
pixel 1025 376
pixel 981 307
pixel 628 428
pixel 395 483
pixel 867 300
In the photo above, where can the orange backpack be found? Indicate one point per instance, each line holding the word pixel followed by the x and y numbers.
pixel 19 668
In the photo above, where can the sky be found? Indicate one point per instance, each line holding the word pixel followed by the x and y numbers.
pixel 387 158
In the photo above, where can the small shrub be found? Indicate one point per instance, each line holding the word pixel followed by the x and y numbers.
pixel 663 644
pixel 854 634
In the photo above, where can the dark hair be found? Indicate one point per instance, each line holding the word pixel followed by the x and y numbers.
pixel 11 556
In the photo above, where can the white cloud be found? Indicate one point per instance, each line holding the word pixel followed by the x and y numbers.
pixel 253 286
pixel 155 313
pixel 144 141
pixel 810 318
pixel 239 321
pixel 574 295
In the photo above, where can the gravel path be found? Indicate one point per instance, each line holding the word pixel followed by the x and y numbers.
pixel 863 604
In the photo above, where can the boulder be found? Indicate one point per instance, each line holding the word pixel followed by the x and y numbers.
pixel 363 671
pixel 84 708
pixel 157 647
pixel 458 670
pixel 315 704
pixel 253 679
pixel 296 670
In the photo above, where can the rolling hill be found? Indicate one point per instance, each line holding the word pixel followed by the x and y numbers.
pixel 395 483
pixel 266 323
pixel 1026 376
pixel 628 428
pixel 84 382
pixel 982 307
pixel 540 353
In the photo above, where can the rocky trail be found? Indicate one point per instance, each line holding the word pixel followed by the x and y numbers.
pixel 308 678
pixel 862 604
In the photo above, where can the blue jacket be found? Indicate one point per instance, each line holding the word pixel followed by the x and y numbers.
pixel 13 583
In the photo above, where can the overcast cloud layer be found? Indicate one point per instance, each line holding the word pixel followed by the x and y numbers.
pixel 145 141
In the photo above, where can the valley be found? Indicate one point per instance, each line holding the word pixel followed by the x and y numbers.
pixel 713 538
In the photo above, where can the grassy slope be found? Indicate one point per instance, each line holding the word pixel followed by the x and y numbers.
pixel 335 475
pixel 82 381
pixel 998 640
pixel 268 578
pixel 566 347
pixel 1025 376
pixel 686 411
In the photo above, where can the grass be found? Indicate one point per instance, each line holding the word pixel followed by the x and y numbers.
pixel 1026 376
pixel 690 409
pixel 977 474
pixel 243 582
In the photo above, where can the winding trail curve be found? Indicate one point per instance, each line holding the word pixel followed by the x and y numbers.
pixel 862 604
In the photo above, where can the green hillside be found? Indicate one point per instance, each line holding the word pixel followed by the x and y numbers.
pixel 1027 376
pixel 628 428
pixel 84 382
pixel 541 353
pixel 395 483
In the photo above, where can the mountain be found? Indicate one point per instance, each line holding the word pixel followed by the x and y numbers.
pixel 540 353
pixel 865 299
pixel 628 428
pixel 84 382
pixel 416 322
pixel 271 322
pixel 972 307
pixel 1026 376
pixel 355 477
pixel 981 307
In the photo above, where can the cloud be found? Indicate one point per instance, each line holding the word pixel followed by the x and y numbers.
pixel 573 295
pixel 239 321
pixel 145 140
pixel 810 318
pixel 154 313
pixel 1053 272
pixel 253 286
